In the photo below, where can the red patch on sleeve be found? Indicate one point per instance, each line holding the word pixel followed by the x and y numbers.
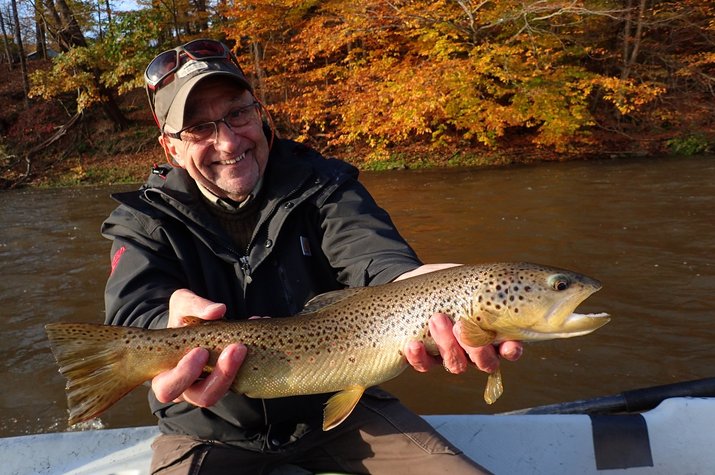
pixel 115 259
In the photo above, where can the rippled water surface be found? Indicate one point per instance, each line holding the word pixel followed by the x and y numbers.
pixel 645 228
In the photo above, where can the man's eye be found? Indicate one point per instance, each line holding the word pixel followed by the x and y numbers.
pixel 201 129
pixel 240 116
pixel 237 114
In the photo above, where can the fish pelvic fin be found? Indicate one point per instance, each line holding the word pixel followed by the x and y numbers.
pixel 494 388
pixel 340 405
pixel 94 360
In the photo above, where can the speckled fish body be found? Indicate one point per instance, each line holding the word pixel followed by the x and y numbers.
pixel 343 341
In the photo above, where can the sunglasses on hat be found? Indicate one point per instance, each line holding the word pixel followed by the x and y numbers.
pixel 168 62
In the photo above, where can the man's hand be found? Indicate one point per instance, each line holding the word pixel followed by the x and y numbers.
pixel 455 356
pixel 182 382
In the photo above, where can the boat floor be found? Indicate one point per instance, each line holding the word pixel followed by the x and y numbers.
pixel 674 438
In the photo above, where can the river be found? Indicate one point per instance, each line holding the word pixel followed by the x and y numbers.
pixel 644 227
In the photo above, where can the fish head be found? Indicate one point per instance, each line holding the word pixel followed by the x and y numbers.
pixel 532 302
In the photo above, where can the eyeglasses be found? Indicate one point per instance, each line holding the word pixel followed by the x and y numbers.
pixel 205 133
pixel 169 61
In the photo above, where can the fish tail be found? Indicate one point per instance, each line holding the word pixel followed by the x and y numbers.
pixel 98 363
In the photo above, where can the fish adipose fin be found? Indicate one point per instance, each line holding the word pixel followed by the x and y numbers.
pixel 340 405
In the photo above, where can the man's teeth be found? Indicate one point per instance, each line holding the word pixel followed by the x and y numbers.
pixel 233 160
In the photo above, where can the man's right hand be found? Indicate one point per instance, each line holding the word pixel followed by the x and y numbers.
pixel 182 382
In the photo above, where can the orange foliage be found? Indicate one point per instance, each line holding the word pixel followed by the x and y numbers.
pixel 386 74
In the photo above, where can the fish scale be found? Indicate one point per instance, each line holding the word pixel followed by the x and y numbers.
pixel 343 341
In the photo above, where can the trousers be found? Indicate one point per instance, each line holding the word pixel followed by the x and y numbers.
pixel 379 437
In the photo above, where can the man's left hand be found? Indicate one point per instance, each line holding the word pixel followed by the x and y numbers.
pixel 455 355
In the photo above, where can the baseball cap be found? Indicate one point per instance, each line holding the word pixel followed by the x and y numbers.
pixel 173 75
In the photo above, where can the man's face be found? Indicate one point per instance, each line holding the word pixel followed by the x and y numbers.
pixel 232 165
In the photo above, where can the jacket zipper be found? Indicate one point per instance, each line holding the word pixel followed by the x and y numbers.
pixel 246 267
pixel 243 260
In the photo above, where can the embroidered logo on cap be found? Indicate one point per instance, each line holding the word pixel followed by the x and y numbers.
pixel 192 67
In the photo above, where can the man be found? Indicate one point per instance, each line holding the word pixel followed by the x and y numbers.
pixel 245 225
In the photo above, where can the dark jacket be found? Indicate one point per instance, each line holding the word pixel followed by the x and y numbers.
pixel 319 230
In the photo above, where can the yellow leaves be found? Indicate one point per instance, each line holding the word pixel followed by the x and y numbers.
pixel 56 81
pixel 627 95
pixel 70 73
pixel 438 73
pixel 94 72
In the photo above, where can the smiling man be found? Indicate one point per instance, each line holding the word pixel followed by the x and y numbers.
pixel 245 224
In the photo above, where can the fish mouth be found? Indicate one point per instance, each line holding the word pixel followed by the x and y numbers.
pixel 563 322
pixel 575 324
pixel 578 324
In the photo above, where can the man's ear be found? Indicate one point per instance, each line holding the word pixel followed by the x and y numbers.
pixel 170 151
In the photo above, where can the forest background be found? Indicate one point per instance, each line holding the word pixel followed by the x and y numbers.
pixel 378 83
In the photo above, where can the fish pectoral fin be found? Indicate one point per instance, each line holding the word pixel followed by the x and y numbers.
pixel 340 405
pixel 474 335
pixel 494 388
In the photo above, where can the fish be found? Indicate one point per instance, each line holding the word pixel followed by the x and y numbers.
pixel 342 342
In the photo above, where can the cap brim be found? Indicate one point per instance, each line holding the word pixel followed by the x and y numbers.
pixel 175 114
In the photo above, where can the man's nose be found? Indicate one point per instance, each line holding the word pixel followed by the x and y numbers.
pixel 225 136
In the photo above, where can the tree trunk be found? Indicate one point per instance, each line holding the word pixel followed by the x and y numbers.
pixel 260 76
pixel 57 29
pixel 632 42
pixel 21 52
pixel 40 38
pixel 99 19
pixel 6 42
pixel 71 34
pixel 70 24
pixel 108 10
pixel 202 15
pixel 115 114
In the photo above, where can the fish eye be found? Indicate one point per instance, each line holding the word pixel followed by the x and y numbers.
pixel 559 282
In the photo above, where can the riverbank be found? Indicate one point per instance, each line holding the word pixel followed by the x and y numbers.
pixel 95 155
pixel 133 155
pixel 43 145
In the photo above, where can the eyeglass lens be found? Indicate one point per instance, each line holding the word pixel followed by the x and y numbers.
pixel 206 131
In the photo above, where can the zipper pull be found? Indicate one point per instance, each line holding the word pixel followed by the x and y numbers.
pixel 246 268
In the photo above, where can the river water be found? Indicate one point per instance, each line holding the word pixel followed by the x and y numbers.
pixel 645 228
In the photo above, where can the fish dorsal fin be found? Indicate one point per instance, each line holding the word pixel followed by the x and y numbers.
pixel 327 299
pixel 340 405
pixel 189 321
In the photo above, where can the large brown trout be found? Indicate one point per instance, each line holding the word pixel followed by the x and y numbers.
pixel 343 341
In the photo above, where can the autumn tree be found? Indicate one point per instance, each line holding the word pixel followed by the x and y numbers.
pixel 442 73
pixel 375 77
